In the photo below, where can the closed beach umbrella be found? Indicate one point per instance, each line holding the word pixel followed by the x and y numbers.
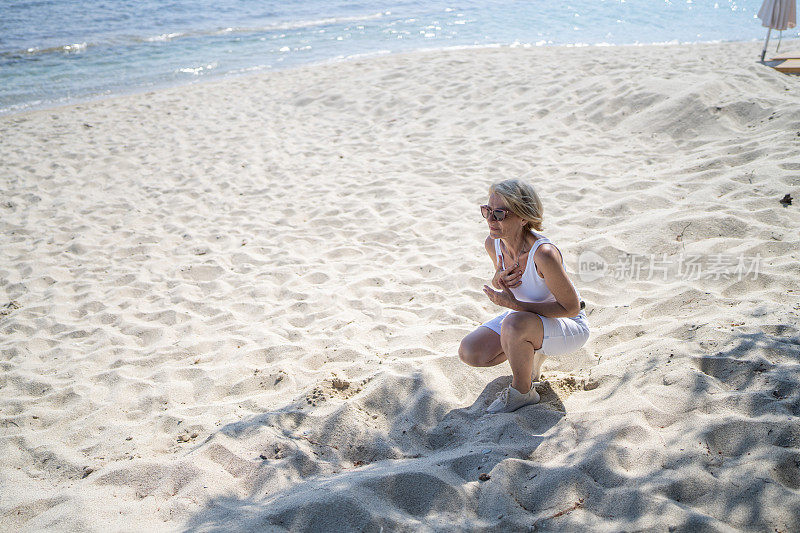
pixel 777 15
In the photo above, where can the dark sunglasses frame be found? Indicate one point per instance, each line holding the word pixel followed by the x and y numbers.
pixel 497 214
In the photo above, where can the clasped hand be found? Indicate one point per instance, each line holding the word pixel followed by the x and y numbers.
pixel 506 279
pixel 510 277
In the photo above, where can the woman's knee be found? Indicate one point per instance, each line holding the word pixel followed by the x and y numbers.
pixel 519 324
pixel 480 348
pixel 475 351
pixel 467 352
pixel 522 326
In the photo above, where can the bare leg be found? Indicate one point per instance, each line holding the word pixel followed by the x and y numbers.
pixel 481 348
pixel 521 335
pixel 538 360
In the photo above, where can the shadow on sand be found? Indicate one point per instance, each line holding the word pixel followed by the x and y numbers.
pixel 337 471
pixel 678 451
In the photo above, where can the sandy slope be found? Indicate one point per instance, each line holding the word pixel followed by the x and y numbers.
pixel 237 305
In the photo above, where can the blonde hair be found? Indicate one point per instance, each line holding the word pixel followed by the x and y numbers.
pixel 522 200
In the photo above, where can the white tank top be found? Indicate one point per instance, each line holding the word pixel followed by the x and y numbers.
pixel 533 288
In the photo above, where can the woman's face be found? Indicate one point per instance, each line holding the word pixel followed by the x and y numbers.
pixel 501 228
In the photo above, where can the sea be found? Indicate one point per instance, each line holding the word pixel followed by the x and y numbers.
pixel 54 52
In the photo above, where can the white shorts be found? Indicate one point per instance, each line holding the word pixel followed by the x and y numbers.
pixel 561 335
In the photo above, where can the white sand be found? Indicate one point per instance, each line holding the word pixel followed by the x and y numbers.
pixel 191 269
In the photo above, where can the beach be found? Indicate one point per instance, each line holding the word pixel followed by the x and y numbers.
pixel 237 305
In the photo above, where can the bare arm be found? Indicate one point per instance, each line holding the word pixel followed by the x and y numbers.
pixel 549 309
pixel 489 245
pixel 567 304
pixel 548 260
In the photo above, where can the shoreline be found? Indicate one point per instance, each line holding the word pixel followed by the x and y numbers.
pixel 81 100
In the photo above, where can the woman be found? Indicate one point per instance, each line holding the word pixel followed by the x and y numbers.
pixel 545 316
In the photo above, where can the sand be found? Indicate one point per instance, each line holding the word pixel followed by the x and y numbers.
pixel 237 305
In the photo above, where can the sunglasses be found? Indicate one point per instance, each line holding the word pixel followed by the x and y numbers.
pixel 494 214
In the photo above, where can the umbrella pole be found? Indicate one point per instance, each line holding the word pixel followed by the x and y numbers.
pixel 766 42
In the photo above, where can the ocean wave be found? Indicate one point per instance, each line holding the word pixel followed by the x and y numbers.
pixel 355 57
pixel 197 70
pixel 171 36
pixel 163 37
pixel 300 24
pixel 278 26
pixel 72 48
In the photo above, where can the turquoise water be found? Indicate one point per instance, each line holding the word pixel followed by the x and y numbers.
pixel 53 52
